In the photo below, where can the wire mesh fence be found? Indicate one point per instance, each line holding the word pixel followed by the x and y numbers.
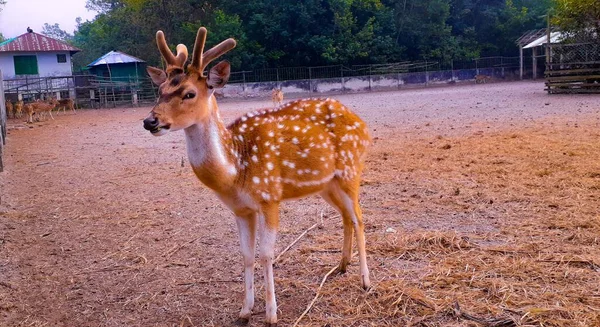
pixel 340 71
pixel 96 91
pixel 574 67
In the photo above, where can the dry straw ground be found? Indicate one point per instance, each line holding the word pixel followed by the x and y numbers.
pixel 481 204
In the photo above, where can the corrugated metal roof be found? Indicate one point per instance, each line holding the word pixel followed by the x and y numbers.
pixel 34 42
pixel 115 57
pixel 555 37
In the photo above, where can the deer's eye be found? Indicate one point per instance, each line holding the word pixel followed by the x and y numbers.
pixel 189 95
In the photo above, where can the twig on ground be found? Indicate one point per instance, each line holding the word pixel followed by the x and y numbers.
pixel 310 305
pixel 296 241
pixel 489 322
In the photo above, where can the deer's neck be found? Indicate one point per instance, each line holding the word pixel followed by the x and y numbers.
pixel 209 147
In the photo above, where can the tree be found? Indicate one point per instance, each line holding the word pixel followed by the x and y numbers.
pixel 103 6
pixel 578 17
pixel 55 32
pixel 422 29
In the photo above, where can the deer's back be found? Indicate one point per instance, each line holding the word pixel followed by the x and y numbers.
pixel 296 149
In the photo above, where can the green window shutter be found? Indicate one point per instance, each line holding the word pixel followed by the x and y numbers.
pixel 26 65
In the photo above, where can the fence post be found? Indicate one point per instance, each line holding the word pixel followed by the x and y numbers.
pixel 520 61
pixel 244 82
pixel 426 73
pixel 342 77
pixel 309 79
pixel 370 78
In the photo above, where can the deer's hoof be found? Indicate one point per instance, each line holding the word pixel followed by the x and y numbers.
pixel 271 324
pixel 242 321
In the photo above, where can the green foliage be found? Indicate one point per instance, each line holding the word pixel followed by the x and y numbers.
pixel 578 17
pixel 272 33
pixel 55 32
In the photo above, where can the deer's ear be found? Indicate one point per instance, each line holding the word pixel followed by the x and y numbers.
pixel 219 75
pixel 157 75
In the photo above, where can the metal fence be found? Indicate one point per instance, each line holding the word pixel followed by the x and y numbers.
pixel 87 90
pixel 94 91
pixel 341 71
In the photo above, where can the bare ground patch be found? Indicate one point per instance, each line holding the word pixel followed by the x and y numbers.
pixel 481 205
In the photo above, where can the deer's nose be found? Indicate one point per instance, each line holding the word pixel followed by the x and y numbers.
pixel 150 123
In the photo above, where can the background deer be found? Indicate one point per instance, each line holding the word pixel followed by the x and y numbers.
pixel 277 97
pixel 43 108
pixel 28 108
pixel 64 104
pixel 481 79
pixel 9 108
pixel 262 158
pixel 18 109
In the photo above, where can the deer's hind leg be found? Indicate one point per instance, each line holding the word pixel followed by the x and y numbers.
pixel 343 196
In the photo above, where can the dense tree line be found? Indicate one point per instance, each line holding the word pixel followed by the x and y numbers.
pixel 279 33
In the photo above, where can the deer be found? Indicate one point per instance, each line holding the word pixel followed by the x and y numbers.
pixel 311 146
pixel 18 109
pixel 42 107
pixel 29 110
pixel 481 79
pixel 64 104
pixel 277 97
pixel 9 108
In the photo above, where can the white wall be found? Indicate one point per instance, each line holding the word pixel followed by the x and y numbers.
pixel 47 64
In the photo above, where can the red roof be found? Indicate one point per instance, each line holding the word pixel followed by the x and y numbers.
pixel 34 42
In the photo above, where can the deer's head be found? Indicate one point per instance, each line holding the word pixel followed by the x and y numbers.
pixel 185 94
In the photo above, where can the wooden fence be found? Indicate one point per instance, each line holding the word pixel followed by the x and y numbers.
pixel 573 68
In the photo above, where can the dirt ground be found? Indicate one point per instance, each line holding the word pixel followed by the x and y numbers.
pixel 481 204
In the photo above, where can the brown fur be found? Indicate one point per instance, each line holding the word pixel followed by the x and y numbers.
pixel 18 109
pixel 65 104
pixel 482 79
pixel 29 110
pixel 42 108
pixel 9 109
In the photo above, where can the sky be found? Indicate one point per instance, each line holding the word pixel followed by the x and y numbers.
pixel 17 15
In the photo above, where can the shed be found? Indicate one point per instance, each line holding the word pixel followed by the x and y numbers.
pixel 533 40
pixel 118 66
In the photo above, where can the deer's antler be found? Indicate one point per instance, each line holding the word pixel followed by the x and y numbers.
pixel 172 61
pixel 201 59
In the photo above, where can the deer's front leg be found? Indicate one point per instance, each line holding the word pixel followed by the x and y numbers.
pixel 247 230
pixel 269 221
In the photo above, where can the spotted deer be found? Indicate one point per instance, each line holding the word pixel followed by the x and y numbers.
pixel 482 79
pixel 44 107
pixel 9 109
pixel 65 104
pixel 277 97
pixel 29 110
pixel 262 158
pixel 18 109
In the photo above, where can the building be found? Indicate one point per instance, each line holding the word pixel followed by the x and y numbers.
pixel 35 55
pixel 118 66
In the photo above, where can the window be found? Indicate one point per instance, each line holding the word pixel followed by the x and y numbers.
pixel 26 65
pixel 61 58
